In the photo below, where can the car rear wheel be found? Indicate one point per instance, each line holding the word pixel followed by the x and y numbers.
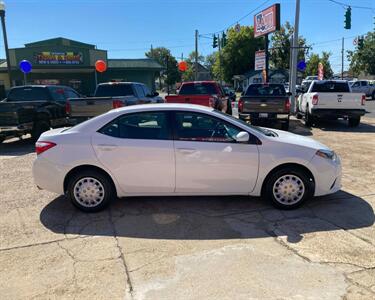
pixel 39 128
pixel 354 122
pixel 373 95
pixel 90 190
pixel 285 125
pixel 229 107
pixel 308 118
pixel 288 188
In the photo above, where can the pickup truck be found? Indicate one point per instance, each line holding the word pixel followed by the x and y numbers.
pixel 366 87
pixel 108 96
pixel 331 99
pixel 206 93
pixel 33 109
pixel 265 103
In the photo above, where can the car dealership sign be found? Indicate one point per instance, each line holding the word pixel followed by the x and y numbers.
pixel 267 20
pixel 59 58
pixel 260 60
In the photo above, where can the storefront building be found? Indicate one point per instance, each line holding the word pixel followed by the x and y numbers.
pixel 67 62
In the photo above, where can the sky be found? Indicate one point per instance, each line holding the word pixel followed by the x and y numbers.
pixel 128 28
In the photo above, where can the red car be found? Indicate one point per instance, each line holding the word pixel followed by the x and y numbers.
pixel 206 93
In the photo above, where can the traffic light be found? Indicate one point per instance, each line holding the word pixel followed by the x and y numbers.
pixel 223 40
pixel 360 42
pixel 214 43
pixel 348 18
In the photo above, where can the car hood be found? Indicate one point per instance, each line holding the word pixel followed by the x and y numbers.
pixel 298 140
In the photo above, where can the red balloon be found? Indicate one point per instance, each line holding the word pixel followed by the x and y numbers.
pixel 182 66
pixel 100 66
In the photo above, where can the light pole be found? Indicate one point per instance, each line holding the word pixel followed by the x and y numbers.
pixel 2 15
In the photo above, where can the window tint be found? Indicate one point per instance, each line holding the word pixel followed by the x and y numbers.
pixel 363 83
pixel 57 93
pixel 140 92
pixel 146 90
pixel 355 84
pixel 28 94
pixel 113 90
pixel 71 94
pixel 147 125
pixel 330 87
pixel 265 90
pixel 203 128
pixel 198 89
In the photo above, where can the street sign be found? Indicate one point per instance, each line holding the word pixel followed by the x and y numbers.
pixel 355 41
pixel 182 66
pixel 260 60
pixel 100 66
pixel 320 71
pixel 301 65
pixel 267 21
pixel 25 66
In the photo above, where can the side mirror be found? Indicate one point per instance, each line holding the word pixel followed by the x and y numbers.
pixel 242 137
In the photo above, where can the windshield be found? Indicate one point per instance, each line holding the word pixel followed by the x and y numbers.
pixel 265 90
pixel 113 90
pixel 261 130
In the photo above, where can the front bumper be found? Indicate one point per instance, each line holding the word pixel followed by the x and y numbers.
pixel 337 113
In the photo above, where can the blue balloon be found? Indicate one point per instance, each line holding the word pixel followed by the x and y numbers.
pixel 25 66
pixel 301 65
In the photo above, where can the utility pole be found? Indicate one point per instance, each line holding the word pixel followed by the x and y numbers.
pixel 219 44
pixel 196 56
pixel 342 59
pixel 267 56
pixel 2 15
pixel 295 49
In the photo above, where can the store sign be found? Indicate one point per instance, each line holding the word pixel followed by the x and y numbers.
pixel 267 20
pixel 59 58
pixel 260 60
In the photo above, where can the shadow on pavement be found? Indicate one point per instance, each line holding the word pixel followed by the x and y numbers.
pixel 17 147
pixel 341 125
pixel 208 218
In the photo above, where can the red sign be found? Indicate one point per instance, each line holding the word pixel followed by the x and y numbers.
pixel 320 71
pixel 182 66
pixel 260 60
pixel 267 20
pixel 100 66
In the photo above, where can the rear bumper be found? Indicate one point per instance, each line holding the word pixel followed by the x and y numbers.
pixel 338 113
pixel 271 117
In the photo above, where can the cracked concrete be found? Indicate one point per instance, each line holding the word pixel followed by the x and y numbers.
pixel 192 247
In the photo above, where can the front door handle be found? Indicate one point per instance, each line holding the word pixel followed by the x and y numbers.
pixel 186 150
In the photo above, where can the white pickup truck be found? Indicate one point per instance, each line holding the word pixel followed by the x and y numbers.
pixel 329 100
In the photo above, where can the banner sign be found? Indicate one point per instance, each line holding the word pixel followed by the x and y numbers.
pixel 59 58
pixel 267 20
pixel 260 60
pixel 320 71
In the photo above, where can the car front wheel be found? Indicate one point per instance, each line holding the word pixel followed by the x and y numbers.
pixel 288 188
pixel 90 190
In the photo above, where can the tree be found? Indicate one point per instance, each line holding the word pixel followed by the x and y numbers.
pixel 189 75
pixel 313 64
pixel 280 49
pixel 362 59
pixel 164 57
pixel 238 55
pixel 209 62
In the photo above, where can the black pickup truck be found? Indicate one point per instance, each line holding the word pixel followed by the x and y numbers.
pixel 34 109
pixel 265 104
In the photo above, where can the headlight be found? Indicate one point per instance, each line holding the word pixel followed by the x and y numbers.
pixel 328 154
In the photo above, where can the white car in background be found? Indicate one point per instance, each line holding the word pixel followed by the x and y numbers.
pixel 179 149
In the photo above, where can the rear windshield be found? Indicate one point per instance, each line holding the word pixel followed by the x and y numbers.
pixel 114 90
pixel 198 89
pixel 28 94
pixel 265 90
pixel 330 87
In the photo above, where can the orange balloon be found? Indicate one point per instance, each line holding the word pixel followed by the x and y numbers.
pixel 100 66
pixel 182 66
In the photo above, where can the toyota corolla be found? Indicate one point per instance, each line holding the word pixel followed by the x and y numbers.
pixel 177 149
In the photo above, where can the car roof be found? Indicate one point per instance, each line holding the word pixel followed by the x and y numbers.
pixel 198 82
pixel 41 86
pixel 163 106
pixel 121 82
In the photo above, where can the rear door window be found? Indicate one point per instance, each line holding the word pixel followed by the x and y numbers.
pixel 140 91
pixel 29 94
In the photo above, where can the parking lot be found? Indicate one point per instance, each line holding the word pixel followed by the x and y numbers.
pixel 192 247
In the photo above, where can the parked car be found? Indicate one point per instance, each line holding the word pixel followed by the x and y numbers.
pixel 179 149
pixel 366 87
pixel 108 96
pixel 331 99
pixel 265 104
pixel 206 93
pixel 34 109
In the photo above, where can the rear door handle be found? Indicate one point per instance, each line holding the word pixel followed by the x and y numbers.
pixel 186 150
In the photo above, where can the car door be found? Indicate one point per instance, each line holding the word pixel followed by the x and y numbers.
pixel 208 159
pixel 137 149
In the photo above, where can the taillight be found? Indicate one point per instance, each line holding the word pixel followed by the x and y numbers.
pixel 41 146
pixel 363 100
pixel 68 108
pixel 287 105
pixel 240 105
pixel 315 100
pixel 117 103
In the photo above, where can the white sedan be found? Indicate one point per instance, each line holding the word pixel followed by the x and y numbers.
pixel 177 149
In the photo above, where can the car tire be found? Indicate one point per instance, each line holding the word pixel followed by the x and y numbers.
pixel 39 128
pixel 308 118
pixel 288 188
pixel 229 107
pixel 354 122
pixel 285 125
pixel 299 115
pixel 373 95
pixel 90 190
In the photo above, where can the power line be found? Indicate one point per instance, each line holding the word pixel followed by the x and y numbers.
pixel 345 5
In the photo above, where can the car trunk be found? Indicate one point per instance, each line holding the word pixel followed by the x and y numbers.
pixel 267 104
pixel 90 107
